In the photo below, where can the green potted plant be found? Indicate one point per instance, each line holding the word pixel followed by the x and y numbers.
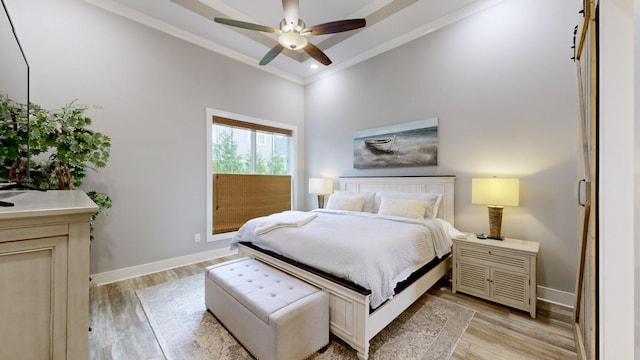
pixel 61 147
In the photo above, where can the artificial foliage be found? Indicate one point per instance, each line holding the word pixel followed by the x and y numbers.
pixel 58 143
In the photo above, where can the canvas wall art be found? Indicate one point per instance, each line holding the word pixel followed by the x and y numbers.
pixel 402 145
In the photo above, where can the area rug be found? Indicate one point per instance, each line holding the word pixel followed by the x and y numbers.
pixel 429 329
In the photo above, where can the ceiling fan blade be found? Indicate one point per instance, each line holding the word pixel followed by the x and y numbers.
pixel 271 54
pixel 317 54
pixel 246 25
pixel 334 27
pixel 291 11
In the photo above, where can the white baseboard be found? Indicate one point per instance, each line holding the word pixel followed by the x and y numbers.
pixel 557 297
pixel 108 277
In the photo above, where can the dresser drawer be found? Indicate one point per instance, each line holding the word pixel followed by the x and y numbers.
pixel 506 260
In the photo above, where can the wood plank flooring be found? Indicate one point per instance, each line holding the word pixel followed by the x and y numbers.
pixel 120 329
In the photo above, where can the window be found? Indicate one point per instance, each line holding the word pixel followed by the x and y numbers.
pixel 244 148
pixel 261 139
pixel 251 168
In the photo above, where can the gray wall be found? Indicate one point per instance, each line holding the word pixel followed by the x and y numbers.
pixel 152 90
pixel 616 172
pixel 500 82
pixel 636 187
pixel 636 240
pixel 503 88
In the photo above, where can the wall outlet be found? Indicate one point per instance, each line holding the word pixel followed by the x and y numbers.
pixel 196 238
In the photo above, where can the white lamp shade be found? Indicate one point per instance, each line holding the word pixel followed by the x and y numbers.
pixel 495 191
pixel 320 186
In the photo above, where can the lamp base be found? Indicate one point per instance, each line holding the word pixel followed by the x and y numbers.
pixel 495 222
pixel 321 201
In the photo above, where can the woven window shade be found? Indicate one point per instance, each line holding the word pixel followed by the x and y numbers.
pixel 246 125
pixel 238 198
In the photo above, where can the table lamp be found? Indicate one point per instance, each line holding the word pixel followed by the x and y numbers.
pixel 321 187
pixel 496 193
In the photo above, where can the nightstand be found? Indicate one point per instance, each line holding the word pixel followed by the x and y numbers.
pixel 501 271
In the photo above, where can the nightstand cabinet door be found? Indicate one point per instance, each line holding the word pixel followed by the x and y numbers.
pixel 510 288
pixel 473 279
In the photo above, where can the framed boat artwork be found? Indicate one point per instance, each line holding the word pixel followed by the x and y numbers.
pixel 401 145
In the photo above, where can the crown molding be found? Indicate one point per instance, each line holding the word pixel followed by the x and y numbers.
pixel 139 17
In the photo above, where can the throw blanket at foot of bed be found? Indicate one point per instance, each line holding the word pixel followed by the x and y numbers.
pixel 283 219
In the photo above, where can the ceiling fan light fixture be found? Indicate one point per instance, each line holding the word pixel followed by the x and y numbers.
pixel 293 40
pixel 293 32
pixel 286 26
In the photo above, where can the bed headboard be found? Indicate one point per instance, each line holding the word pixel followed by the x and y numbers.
pixel 429 184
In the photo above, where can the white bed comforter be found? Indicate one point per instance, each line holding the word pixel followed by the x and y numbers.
pixel 373 251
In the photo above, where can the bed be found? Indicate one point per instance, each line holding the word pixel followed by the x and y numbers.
pixel 352 316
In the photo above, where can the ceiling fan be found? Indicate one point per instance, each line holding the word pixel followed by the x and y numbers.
pixel 293 32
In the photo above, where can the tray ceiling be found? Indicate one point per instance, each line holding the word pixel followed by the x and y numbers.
pixel 390 23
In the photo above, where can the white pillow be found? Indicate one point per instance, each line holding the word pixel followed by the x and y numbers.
pixel 408 208
pixel 369 199
pixel 345 202
pixel 434 206
pixel 432 199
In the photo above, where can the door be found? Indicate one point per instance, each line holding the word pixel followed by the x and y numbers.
pixel 586 52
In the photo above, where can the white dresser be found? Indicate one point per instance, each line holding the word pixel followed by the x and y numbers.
pixel 44 275
pixel 500 271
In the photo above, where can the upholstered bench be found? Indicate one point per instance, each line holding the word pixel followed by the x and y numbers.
pixel 274 315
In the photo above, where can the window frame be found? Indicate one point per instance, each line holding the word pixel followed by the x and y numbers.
pixel 210 113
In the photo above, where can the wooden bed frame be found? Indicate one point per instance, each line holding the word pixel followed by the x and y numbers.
pixel 350 318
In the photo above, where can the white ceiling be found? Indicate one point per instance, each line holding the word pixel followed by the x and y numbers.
pixel 390 23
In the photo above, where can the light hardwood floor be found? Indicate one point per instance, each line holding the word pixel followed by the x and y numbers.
pixel 120 329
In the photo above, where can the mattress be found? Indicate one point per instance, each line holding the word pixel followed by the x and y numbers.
pixel 371 251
